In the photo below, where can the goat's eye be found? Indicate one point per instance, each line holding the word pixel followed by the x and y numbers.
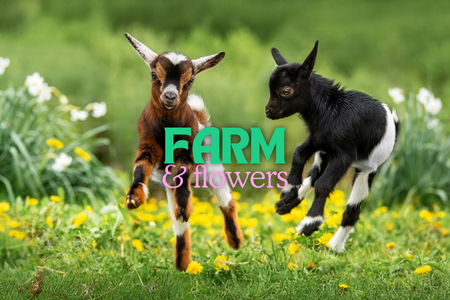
pixel 190 82
pixel 154 77
pixel 286 91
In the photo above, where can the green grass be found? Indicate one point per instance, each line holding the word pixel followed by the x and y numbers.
pixel 72 268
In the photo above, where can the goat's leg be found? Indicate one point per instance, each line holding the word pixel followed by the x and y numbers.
pixel 335 170
pixel 182 249
pixel 289 195
pixel 143 169
pixel 362 182
pixel 319 166
pixel 226 204
pixel 183 207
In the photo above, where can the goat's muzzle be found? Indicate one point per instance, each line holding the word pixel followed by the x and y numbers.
pixel 169 100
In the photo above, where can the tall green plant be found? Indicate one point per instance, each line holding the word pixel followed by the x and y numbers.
pixel 418 171
pixel 41 151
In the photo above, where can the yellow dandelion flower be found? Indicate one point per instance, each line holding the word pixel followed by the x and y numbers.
pixel 290 230
pixel 83 154
pixel 32 201
pixel 426 215
pixel 279 237
pixel 14 224
pixel 445 231
pixel 138 245
pixel 18 234
pixel 292 266
pixel 409 256
pixel 236 195
pixel 50 222
pixel 312 266
pixel 294 247
pixel 56 199
pixel 80 219
pixel 388 226
pixel 54 143
pixel 194 268
pixel 220 264
pixel 395 214
pixel 324 239
pixel 94 244
pixel 424 270
pixel 4 207
pixel 88 208
pixel 344 286
pixel 380 211
pixel 390 245
pixel 441 214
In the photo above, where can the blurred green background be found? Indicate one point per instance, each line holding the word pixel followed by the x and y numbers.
pixel 79 47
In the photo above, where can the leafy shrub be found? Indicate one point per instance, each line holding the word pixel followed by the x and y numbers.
pixel 419 168
pixel 42 153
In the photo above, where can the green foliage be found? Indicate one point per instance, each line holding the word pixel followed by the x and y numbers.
pixel 418 170
pixel 28 160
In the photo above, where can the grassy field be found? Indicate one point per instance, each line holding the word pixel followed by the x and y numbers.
pixel 60 251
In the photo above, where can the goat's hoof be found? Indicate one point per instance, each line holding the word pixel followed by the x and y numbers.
pixel 283 208
pixel 309 225
pixel 132 202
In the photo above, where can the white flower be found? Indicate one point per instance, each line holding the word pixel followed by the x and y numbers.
pixel 63 99
pixel 397 95
pixel 4 63
pixel 433 106
pixel 433 123
pixel 44 93
pixel 98 109
pixel 62 162
pixel 424 96
pixel 76 115
pixel 34 83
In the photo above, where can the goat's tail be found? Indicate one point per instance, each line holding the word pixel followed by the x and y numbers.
pixel 397 123
pixel 199 109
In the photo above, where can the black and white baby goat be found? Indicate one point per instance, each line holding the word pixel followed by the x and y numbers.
pixel 346 129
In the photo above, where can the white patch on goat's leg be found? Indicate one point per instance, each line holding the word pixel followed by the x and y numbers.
pixel 337 242
pixel 360 189
pixel 308 221
pixel 178 227
pixel 289 187
pixel 145 189
pixel 305 188
pixel 222 193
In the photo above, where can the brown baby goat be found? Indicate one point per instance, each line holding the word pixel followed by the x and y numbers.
pixel 170 106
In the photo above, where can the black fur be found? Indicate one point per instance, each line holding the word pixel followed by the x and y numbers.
pixel 344 125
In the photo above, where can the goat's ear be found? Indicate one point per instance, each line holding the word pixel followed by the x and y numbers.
pixel 207 62
pixel 147 55
pixel 308 64
pixel 279 59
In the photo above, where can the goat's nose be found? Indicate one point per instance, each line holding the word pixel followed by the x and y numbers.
pixel 267 110
pixel 170 96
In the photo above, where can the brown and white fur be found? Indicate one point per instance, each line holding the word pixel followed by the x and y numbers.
pixel 171 106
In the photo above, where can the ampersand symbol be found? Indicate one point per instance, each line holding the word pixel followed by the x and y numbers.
pixel 167 170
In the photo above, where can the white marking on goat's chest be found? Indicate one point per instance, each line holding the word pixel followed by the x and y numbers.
pixel 176 58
